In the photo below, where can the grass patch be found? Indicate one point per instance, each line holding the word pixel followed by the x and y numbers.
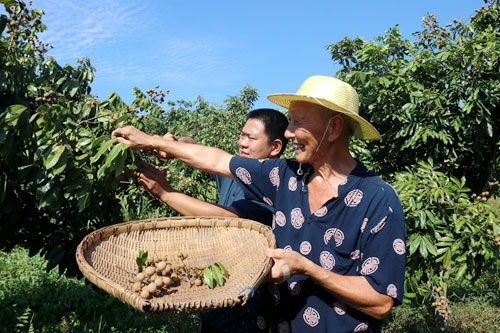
pixel 33 299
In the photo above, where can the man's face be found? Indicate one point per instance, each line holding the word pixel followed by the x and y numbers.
pixel 306 127
pixel 253 140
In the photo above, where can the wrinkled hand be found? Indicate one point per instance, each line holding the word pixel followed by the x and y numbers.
pixel 131 136
pixel 286 264
pixel 153 180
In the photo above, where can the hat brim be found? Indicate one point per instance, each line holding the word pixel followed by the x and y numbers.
pixel 363 129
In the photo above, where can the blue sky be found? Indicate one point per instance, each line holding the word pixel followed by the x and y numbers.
pixel 214 48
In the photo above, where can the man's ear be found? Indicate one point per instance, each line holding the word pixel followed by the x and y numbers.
pixel 335 128
pixel 275 148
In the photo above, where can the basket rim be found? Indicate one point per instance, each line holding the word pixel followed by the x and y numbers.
pixel 145 305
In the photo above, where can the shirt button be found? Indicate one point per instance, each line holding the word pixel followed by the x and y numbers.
pixel 309 220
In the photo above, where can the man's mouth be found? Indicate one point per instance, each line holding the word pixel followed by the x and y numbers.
pixel 297 146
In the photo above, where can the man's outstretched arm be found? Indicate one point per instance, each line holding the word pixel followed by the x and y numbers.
pixel 200 157
pixel 154 180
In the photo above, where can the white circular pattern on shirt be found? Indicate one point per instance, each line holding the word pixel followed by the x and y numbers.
pixel 392 290
pixel 261 322
pixel 267 201
pixel 339 308
pixel 273 225
pixel 297 218
pixel 337 234
pixel 355 254
pixel 274 176
pixel 305 247
pixel 361 327
pixel 292 184
pixel 280 218
pixel 399 246
pixel 390 209
pixel 370 265
pixel 343 182
pixel 363 224
pixel 243 175
pixel 311 316
pixel 321 212
pixel 326 260
pixel 274 292
pixel 353 198
pixel 295 288
pixel 379 225
pixel 283 327
pixel 288 248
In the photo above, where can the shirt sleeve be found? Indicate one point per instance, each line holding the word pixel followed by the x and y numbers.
pixel 259 179
pixel 384 251
pixel 254 210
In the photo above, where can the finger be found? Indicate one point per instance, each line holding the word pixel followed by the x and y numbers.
pixel 271 253
pixel 170 136
pixel 285 270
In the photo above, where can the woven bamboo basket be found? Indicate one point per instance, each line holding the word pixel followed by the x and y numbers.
pixel 107 258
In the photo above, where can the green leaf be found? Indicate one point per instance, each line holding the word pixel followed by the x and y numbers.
pixel 208 276
pixel 461 271
pixel 141 259
pixel 223 269
pixel 218 275
pixel 54 156
pixel 102 149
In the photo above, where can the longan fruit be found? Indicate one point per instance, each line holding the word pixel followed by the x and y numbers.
pixel 145 294
pixel 137 287
pixel 152 287
pixel 167 281
pixel 150 270
pixel 159 282
pixel 140 277
pixel 161 266
pixel 197 282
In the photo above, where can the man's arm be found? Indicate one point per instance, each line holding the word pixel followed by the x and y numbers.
pixel 200 157
pixel 154 180
pixel 354 291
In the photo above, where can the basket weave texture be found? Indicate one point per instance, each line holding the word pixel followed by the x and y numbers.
pixel 107 258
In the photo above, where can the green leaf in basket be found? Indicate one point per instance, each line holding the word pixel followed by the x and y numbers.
pixel 223 269
pixel 218 275
pixel 208 276
pixel 141 259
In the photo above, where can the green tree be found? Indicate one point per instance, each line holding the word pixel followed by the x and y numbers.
pixel 61 175
pixel 437 96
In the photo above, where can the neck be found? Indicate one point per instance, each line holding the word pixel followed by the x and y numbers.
pixel 335 163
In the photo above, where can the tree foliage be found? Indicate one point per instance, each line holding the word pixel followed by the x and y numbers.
pixel 435 101
pixel 61 175
pixel 437 96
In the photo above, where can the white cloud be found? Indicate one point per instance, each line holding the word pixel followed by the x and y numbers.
pixel 121 38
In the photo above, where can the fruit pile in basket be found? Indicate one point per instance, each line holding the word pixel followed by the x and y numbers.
pixel 155 276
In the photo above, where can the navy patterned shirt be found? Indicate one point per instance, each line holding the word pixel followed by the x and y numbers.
pixel 359 233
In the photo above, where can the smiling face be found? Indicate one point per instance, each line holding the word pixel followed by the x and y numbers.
pixel 254 142
pixel 308 122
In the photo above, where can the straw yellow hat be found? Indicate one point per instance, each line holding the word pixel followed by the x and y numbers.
pixel 333 94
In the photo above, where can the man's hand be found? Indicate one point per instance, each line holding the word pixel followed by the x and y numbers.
pixel 171 137
pixel 133 137
pixel 286 264
pixel 153 180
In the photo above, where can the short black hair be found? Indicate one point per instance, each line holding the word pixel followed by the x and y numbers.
pixel 275 124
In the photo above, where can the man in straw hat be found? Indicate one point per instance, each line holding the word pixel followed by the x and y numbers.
pixel 339 227
pixel 261 137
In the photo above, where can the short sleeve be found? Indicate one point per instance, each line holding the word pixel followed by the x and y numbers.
pixel 254 210
pixel 259 179
pixel 384 253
